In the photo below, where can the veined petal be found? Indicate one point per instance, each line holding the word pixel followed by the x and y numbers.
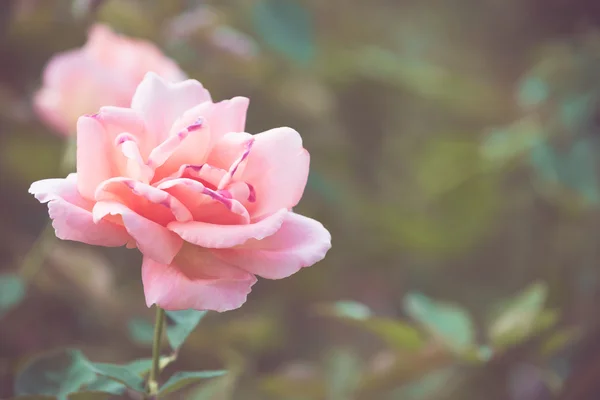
pixel 206 204
pixel 144 199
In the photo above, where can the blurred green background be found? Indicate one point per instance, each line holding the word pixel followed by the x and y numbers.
pixel 455 160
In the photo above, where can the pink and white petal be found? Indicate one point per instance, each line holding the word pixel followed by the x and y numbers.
pixel 71 214
pixel 205 204
pixel 135 166
pixel 195 280
pixel 74 223
pixel 222 117
pixel 277 168
pixel 161 103
pixel 93 156
pixel 300 242
pixel 229 149
pixel 205 173
pixel 59 188
pixel 153 240
pixel 148 201
pixel 185 147
pixel 224 236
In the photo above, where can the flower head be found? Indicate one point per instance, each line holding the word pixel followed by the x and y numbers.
pixel 207 204
pixel 104 72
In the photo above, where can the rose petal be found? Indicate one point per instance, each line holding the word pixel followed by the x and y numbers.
pixel 144 199
pixel 300 242
pixel 206 204
pixel 71 214
pixel 195 280
pixel 153 240
pixel 161 102
pixel 224 236
pixel 277 168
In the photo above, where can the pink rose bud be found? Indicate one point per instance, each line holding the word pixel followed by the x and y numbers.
pixel 207 204
pixel 104 72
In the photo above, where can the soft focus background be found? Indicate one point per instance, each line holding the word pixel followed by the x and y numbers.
pixel 455 159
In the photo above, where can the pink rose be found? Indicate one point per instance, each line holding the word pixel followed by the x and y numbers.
pixel 207 204
pixel 105 71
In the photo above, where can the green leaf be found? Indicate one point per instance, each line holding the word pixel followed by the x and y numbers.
pixel 140 331
pixel 505 144
pixel 286 26
pixel 397 334
pixel 106 385
pixel 448 323
pixel 180 324
pixel 57 373
pixel 179 380
pixel 532 92
pixel 343 374
pixel 518 317
pixel 347 309
pixel 91 395
pixel 119 373
pixel 12 291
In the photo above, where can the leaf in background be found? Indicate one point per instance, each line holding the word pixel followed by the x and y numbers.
pixel 448 323
pixel 346 309
pixel 396 334
pixel 57 373
pixel 517 319
pixel 532 92
pixel 575 170
pixel 502 145
pixel 180 324
pixel 140 331
pixel 576 111
pixel 179 380
pixel 286 26
pixel 12 292
pixel 343 374
pixel 119 373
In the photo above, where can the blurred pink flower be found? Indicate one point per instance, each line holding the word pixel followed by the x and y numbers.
pixel 105 71
pixel 207 204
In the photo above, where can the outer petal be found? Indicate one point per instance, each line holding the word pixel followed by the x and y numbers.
pixel 71 215
pixel 195 280
pixel 153 240
pixel 223 236
pixel 161 102
pixel 277 167
pixel 300 242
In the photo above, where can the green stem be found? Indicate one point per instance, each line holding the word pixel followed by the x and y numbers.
pixel 159 325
